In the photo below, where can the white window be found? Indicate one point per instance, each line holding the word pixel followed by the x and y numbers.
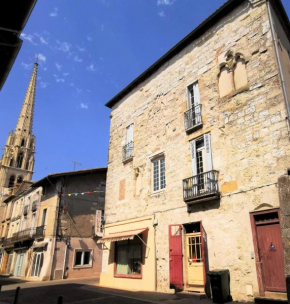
pixel 201 155
pixel 128 148
pixel 37 264
pixel 204 179
pixel 158 174
pixel 83 258
pixel 193 114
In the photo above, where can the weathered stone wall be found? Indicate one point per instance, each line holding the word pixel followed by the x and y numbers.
pixel 284 197
pixel 250 145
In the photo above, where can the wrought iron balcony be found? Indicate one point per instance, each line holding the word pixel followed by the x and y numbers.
pixel 39 232
pixel 192 118
pixel 7 241
pixel 128 151
pixel 23 235
pixel 201 187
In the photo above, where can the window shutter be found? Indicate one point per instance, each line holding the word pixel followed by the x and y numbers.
pixel 187 98
pixel 193 156
pixel 130 133
pixel 196 94
pixel 207 142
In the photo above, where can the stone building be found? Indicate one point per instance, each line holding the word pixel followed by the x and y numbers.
pixel 197 144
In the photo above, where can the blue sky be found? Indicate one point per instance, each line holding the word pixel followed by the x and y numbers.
pixel 88 51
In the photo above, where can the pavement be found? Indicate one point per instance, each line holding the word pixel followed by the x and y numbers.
pixel 87 291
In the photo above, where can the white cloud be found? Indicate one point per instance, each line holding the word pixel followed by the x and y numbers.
pixel 102 27
pixel 58 66
pixel 42 40
pixel 77 59
pixel 27 66
pixel 84 105
pixel 79 90
pixel 54 13
pixel 71 84
pixel 59 80
pixel 41 57
pixel 81 49
pixel 43 85
pixel 91 68
pixel 162 14
pixel 165 2
pixel 65 74
pixel 89 38
pixel 28 37
pixel 63 46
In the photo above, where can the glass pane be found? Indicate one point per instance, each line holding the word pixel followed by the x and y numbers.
pixel 162 173
pixel 129 257
pixel 78 258
pixel 87 257
pixel 122 257
pixel 156 176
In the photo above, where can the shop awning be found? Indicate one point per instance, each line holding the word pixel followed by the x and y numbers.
pixel 39 245
pixel 122 235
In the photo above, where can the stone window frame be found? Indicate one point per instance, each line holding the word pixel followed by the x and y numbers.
pixel 230 61
pixel 90 265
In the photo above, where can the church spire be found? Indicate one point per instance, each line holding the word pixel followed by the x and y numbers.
pixel 25 120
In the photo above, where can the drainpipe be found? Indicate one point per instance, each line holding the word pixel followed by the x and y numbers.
pixel 155 246
pixel 64 259
pixel 278 60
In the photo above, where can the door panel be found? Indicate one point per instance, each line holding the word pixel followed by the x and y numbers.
pixel 175 256
pixel 194 259
pixel 271 256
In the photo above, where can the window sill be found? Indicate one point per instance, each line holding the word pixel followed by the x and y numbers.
pixel 127 160
pixel 84 266
pixel 158 192
pixel 128 276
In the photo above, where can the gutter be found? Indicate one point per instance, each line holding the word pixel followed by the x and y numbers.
pixel 278 60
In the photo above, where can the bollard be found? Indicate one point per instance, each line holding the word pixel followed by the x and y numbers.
pixel 59 300
pixel 16 295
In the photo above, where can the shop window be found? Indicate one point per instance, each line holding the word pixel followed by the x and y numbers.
pixel 128 258
pixel 83 258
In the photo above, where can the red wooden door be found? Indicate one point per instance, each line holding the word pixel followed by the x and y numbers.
pixel 175 256
pixel 271 256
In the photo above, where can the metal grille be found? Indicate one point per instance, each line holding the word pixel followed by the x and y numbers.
pixel 192 117
pixel 128 151
pixel 200 185
pixel 194 249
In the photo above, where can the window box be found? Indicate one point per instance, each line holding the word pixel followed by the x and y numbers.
pixel 128 259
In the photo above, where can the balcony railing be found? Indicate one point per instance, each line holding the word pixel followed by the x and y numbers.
pixel 201 187
pixel 39 232
pixel 192 118
pixel 23 235
pixel 7 241
pixel 128 151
